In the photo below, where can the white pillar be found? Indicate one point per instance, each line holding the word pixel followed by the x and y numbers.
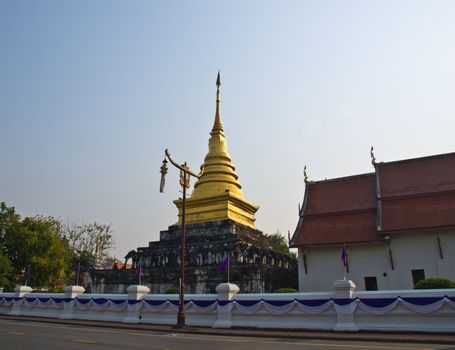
pixel 226 292
pixel 135 292
pixel 71 292
pixel 344 289
pixel 20 292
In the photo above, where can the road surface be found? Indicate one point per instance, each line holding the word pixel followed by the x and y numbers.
pixel 19 335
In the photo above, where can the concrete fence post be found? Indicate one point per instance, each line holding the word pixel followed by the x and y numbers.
pixel 20 292
pixel 226 292
pixel 135 292
pixel 344 289
pixel 71 292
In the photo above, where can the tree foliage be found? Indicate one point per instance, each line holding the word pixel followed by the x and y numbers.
pixel 278 243
pixel 6 270
pixel 435 283
pixel 7 218
pixel 46 248
pixel 33 244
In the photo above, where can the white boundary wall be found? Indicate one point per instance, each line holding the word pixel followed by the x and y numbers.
pixel 343 309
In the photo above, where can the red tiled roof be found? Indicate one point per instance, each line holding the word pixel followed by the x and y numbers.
pixel 414 194
pixel 417 193
pixel 339 210
pixel 342 228
pixel 343 194
pixel 420 212
pixel 418 176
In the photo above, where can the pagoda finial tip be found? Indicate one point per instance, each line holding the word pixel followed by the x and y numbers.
pixel 217 126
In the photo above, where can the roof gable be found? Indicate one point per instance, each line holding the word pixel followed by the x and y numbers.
pixel 417 193
pixel 418 176
pixel 341 195
pixel 405 195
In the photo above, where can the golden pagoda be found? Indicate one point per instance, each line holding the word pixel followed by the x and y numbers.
pixel 217 194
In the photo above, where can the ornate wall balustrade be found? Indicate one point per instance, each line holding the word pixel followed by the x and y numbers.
pixel 344 309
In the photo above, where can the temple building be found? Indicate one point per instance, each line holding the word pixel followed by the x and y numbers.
pixel 220 223
pixel 397 225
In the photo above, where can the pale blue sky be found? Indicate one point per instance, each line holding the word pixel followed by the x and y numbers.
pixel 92 92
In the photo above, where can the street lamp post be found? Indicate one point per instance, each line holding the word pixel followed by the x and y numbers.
pixel 185 174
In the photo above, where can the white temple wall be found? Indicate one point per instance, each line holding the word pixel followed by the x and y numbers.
pixel 410 251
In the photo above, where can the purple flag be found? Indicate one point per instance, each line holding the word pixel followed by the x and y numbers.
pixel 224 265
pixel 344 256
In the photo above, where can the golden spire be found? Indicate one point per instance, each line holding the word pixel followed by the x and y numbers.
pixel 217 126
pixel 217 194
pixel 219 174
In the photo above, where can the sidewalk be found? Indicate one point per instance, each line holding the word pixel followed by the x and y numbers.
pixel 411 337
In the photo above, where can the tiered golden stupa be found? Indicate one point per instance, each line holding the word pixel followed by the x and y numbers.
pixel 217 193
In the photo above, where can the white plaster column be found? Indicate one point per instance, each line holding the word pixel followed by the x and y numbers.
pixel 135 292
pixel 226 292
pixel 71 292
pixel 20 292
pixel 344 289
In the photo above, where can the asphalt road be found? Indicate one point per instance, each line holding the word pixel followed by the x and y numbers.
pixel 19 335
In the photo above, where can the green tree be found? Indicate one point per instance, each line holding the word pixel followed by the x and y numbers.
pixel 278 243
pixel 8 217
pixel 34 243
pixel 435 283
pixel 6 270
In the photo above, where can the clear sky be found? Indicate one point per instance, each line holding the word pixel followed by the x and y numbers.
pixel 92 92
